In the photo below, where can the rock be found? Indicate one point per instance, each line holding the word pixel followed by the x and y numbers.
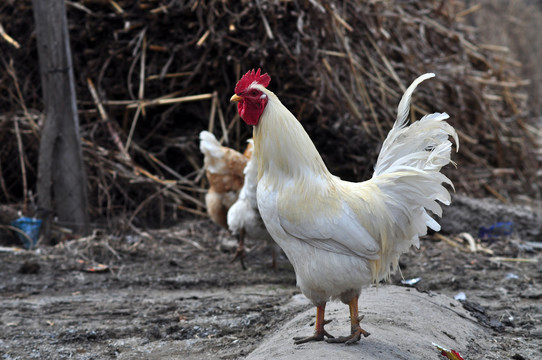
pixel 403 323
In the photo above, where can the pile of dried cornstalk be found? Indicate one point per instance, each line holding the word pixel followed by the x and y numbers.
pixel 150 75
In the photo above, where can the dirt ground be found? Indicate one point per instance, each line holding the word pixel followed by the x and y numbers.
pixel 174 294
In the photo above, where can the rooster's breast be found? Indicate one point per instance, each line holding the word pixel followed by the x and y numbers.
pixel 322 273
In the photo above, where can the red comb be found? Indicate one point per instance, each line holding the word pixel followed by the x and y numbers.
pixel 251 77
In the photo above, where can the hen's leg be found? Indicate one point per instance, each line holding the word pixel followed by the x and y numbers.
pixel 319 331
pixel 274 259
pixel 240 252
pixel 356 330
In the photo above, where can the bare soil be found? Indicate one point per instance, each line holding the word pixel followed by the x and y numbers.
pixel 174 294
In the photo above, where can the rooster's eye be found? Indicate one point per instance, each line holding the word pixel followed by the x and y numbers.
pixel 254 93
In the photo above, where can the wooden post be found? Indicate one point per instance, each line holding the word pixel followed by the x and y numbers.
pixel 61 173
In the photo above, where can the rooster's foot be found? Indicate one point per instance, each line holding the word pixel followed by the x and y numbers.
pixel 315 337
pixel 353 338
pixel 318 335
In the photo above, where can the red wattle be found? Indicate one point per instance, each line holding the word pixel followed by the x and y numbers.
pixel 250 111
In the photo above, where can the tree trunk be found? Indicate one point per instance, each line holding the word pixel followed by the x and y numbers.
pixel 62 186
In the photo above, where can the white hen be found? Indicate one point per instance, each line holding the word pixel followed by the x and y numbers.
pixel 244 218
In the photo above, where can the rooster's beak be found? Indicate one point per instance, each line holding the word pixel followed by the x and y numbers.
pixel 235 98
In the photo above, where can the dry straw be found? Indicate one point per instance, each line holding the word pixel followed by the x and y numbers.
pixel 151 75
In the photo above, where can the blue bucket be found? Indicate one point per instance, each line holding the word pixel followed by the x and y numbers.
pixel 31 227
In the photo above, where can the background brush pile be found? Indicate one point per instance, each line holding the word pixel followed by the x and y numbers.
pixel 164 71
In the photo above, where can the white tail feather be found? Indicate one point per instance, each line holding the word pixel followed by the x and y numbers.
pixel 408 173
pixel 404 105
pixel 423 145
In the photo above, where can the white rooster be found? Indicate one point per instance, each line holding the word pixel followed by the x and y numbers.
pixel 341 236
pixel 244 219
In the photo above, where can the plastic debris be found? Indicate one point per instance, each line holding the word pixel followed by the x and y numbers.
pixel 10 249
pixel 97 268
pixel 410 282
pixel 535 245
pixel 509 321
pixel 472 243
pixel 510 276
pixel 497 230
pixel 528 246
pixel 449 354
pixel 461 296
pixel 30 227
pixel 93 268
pixel 518 260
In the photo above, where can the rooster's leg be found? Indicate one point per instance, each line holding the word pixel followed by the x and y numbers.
pixel 356 330
pixel 240 252
pixel 319 331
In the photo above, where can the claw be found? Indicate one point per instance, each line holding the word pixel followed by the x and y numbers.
pixel 316 337
pixel 351 339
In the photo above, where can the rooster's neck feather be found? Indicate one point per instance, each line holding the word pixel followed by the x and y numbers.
pixel 283 147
